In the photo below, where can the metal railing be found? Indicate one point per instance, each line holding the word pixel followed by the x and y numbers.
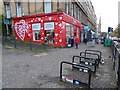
pixel 85 62
pixel 82 68
pixel 116 61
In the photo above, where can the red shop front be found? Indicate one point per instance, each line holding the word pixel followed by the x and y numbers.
pixel 55 27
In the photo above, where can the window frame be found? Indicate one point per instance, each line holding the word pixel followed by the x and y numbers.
pixel 46 4
pixel 18 9
pixel 66 6
pixel 7 10
pixel 36 31
pixel 72 7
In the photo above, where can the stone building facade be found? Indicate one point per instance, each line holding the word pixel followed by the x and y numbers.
pixel 82 11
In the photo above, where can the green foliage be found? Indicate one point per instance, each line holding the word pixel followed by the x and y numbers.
pixel 58 10
pixel 2 25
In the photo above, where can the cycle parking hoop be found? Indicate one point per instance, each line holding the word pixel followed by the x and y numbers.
pixel 98 57
pixel 85 63
pixel 81 69
pixel 100 53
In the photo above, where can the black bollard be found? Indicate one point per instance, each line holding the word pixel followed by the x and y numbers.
pixel 30 44
pixel 14 41
pixel 44 45
pixel 2 40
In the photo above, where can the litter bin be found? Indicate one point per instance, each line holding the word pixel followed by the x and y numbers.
pixel 107 42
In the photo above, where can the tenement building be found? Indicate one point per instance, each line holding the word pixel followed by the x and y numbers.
pixel 69 16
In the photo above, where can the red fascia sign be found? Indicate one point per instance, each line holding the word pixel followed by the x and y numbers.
pixel 81 28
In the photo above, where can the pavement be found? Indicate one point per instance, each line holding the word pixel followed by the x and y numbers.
pixel 22 69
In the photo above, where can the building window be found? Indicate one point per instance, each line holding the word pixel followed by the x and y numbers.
pixel 57 4
pixel 67 32
pixel 47 6
pixel 18 9
pixel 7 10
pixel 66 6
pixel 75 12
pixel 72 9
pixel 79 14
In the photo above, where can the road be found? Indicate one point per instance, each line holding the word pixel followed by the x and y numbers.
pixel 41 70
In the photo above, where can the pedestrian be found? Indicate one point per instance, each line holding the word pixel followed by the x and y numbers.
pixel 69 42
pixel 72 42
pixel 85 41
pixel 93 40
pixel 76 43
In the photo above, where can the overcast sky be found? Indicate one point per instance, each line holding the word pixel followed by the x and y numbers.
pixel 108 10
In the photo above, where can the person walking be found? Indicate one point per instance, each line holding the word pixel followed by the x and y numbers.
pixel 72 42
pixel 85 41
pixel 76 43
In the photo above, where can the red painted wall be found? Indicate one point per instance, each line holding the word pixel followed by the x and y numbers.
pixel 23 27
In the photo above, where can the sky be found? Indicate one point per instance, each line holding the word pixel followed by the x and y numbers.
pixel 108 10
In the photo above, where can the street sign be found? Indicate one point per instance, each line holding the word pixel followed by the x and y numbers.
pixel 86 27
pixel 6 21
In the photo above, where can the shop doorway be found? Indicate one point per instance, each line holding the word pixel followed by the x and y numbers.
pixel 49 35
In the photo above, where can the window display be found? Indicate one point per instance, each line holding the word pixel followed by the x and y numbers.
pixel 67 32
pixel 49 34
pixel 77 32
pixel 36 35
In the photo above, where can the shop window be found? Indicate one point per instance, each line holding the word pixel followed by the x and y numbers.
pixel 36 32
pixel 72 30
pixel 49 35
pixel 36 35
pixel 18 9
pixel 7 10
pixel 49 32
pixel 47 6
pixel 77 32
pixel 67 32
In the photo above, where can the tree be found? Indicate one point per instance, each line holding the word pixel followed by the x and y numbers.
pixel 2 26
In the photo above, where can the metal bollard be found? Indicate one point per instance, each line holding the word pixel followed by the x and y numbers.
pixel 44 45
pixel 14 41
pixel 2 39
pixel 30 44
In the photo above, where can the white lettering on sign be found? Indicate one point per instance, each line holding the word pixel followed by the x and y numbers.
pixel 36 26
pixel 48 26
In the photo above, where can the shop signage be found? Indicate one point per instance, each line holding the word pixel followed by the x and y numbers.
pixel 77 82
pixel 86 27
pixel 82 28
pixel 36 26
pixel 6 21
pixel 49 25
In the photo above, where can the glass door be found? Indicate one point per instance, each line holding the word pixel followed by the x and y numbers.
pixel 49 35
